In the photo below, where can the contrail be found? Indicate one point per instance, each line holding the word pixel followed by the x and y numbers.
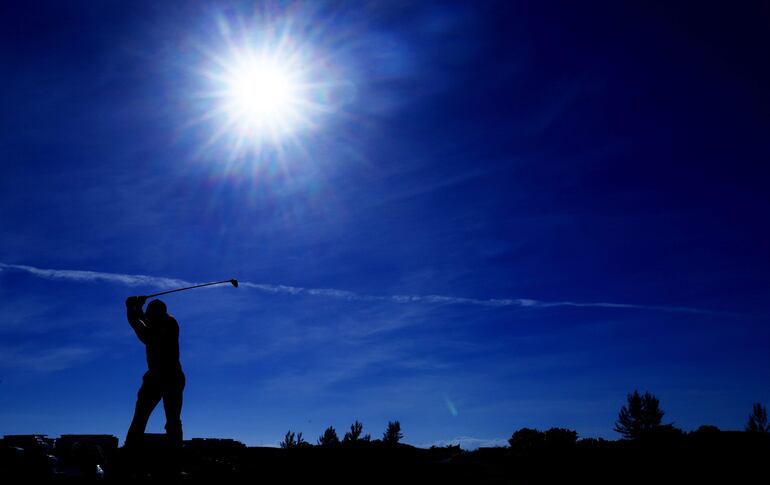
pixel 168 283
pixel 80 275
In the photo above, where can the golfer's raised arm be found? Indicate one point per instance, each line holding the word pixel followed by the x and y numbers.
pixel 136 316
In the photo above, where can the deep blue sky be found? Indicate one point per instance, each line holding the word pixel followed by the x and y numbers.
pixel 608 163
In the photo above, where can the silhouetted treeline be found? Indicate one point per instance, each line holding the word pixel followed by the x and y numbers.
pixel 650 451
pixel 703 456
pixel 329 438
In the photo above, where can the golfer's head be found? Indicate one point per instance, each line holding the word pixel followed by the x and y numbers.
pixel 156 310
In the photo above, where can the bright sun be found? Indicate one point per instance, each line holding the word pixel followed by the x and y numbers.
pixel 261 95
pixel 265 88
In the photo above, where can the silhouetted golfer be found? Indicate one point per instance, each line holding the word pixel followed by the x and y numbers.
pixel 164 379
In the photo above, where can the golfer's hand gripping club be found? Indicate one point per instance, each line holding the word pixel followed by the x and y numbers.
pixel 135 301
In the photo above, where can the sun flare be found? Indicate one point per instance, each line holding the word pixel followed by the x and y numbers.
pixel 265 87
pixel 261 95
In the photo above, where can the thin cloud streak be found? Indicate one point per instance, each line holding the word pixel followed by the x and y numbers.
pixel 87 276
pixel 34 359
pixel 169 283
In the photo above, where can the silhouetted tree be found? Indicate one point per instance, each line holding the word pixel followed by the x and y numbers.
pixel 289 441
pixel 642 415
pixel 527 440
pixel 393 433
pixel 301 443
pixel 329 438
pixel 353 435
pixel 560 438
pixel 758 420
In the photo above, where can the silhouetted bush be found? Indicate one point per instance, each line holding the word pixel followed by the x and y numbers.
pixel 560 438
pixel 758 420
pixel 527 440
pixel 593 443
pixel 707 428
pixel 665 434
pixel 641 416
pixel 393 433
pixel 329 438
pixel 289 441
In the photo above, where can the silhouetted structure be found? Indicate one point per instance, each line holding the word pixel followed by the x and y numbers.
pixel 29 440
pixel 164 379
pixel 86 455
pixel 30 454
pixel 214 445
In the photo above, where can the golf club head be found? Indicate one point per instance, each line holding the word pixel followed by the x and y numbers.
pixel 234 283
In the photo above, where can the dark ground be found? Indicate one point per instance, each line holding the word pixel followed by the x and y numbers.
pixel 698 457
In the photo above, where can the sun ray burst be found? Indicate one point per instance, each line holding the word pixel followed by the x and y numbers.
pixel 263 88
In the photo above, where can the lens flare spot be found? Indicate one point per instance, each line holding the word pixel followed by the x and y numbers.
pixel 450 405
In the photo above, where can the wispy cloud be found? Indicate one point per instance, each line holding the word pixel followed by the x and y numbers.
pixel 167 283
pixel 80 275
pixel 29 358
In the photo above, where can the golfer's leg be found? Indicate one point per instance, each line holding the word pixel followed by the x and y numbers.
pixel 147 398
pixel 172 404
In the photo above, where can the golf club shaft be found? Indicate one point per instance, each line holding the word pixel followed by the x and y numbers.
pixel 189 288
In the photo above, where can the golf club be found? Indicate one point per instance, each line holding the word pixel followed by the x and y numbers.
pixel 232 282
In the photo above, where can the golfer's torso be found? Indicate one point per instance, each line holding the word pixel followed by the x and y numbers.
pixel 162 347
